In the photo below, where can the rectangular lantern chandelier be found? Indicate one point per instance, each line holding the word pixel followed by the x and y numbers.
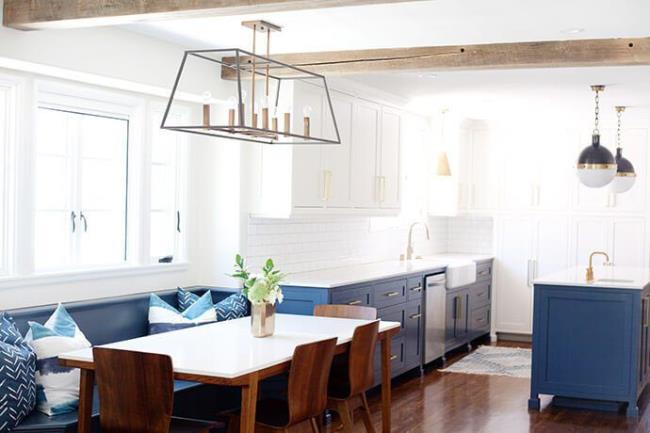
pixel 259 99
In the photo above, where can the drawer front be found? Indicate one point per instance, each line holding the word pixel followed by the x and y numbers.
pixel 480 295
pixel 480 320
pixel 397 354
pixel 394 314
pixel 390 293
pixel 484 271
pixel 414 288
pixel 359 296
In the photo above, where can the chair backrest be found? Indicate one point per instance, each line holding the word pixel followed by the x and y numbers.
pixel 136 391
pixel 308 378
pixel 345 311
pixel 361 357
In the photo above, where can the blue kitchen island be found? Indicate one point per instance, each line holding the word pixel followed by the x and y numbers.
pixel 591 342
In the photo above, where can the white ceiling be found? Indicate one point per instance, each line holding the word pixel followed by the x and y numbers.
pixel 450 22
pixel 440 22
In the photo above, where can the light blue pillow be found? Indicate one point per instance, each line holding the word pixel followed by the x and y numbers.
pixel 17 375
pixel 57 387
pixel 164 318
pixel 233 307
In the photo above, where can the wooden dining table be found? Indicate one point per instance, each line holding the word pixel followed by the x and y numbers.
pixel 225 353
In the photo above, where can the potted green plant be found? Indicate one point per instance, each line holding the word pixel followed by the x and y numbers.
pixel 263 291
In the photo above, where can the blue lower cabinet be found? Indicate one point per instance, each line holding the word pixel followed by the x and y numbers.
pixel 357 296
pixel 590 344
pixel 456 317
pixel 414 324
pixel 301 300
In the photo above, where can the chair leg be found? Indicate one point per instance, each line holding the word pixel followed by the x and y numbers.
pixel 233 424
pixel 365 414
pixel 344 412
pixel 314 425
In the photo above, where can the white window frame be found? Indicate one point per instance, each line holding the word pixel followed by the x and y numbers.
pixel 30 93
pixel 157 109
pixel 12 87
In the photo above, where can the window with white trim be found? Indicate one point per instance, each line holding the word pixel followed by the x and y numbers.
pixel 5 121
pixel 81 166
pixel 167 216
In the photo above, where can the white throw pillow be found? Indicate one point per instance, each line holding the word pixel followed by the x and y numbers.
pixel 164 318
pixel 57 387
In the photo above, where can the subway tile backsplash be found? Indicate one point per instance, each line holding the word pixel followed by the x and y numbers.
pixel 302 244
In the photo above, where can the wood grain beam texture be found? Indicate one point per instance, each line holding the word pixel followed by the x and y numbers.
pixel 517 55
pixel 48 14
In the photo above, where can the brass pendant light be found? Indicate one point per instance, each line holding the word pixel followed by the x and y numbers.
pixel 596 165
pixel 625 174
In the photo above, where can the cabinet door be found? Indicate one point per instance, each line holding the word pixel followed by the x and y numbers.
pixel 450 317
pixel 363 155
pixel 335 172
pixel 388 161
pixel 485 170
pixel 628 242
pixel 414 329
pixel 513 297
pixel 462 316
pixel 307 181
pixel 589 234
pixel 551 249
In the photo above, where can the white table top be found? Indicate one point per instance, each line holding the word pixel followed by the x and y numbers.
pixel 365 272
pixel 606 277
pixel 228 350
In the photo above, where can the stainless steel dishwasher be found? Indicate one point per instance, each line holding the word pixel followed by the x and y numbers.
pixel 434 334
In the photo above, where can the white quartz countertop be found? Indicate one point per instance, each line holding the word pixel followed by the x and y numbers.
pixel 609 277
pixel 361 273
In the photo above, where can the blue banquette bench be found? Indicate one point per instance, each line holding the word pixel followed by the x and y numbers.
pixel 120 318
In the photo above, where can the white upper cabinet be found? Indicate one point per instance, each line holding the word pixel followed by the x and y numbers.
pixel 388 159
pixel 364 181
pixel 361 175
pixel 335 159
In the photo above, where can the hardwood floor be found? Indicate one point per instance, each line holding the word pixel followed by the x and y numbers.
pixel 462 403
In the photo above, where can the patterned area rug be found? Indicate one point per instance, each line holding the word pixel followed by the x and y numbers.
pixel 492 360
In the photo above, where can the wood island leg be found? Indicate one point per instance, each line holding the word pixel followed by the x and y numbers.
pixel 385 383
pixel 86 385
pixel 249 405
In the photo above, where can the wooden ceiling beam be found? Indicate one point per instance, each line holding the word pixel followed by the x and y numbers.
pixel 517 55
pixel 49 14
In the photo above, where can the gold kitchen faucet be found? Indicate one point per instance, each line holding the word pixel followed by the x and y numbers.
pixel 590 269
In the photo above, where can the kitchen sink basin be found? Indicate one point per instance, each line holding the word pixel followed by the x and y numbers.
pixel 613 280
pixel 460 273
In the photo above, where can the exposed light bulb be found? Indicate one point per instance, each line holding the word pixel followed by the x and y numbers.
pixel 307 110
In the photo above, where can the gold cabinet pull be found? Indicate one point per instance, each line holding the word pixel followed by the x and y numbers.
pixel 416 289
pixel 393 357
pixel 355 302
pixel 415 316
pixel 391 294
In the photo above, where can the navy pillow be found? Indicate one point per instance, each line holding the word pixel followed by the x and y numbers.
pixel 233 307
pixel 17 375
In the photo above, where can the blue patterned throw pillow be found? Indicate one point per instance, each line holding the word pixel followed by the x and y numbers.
pixel 233 307
pixel 57 387
pixel 164 318
pixel 17 371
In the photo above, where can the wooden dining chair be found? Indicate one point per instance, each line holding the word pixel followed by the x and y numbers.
pixel 352 372
pixel 349 382
pixel 136 394
pixel 306 395
pixel 346 311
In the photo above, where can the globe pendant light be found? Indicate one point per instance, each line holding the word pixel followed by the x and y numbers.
pixel 596 165
pixel 625 175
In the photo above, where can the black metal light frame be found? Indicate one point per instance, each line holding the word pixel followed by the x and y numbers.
pixel 241 131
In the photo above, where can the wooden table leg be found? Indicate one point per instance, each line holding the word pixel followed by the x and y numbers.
pixel 249 404
pixel 385 383
pixel 86 385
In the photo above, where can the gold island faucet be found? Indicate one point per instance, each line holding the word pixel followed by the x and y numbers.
pixel 590 269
